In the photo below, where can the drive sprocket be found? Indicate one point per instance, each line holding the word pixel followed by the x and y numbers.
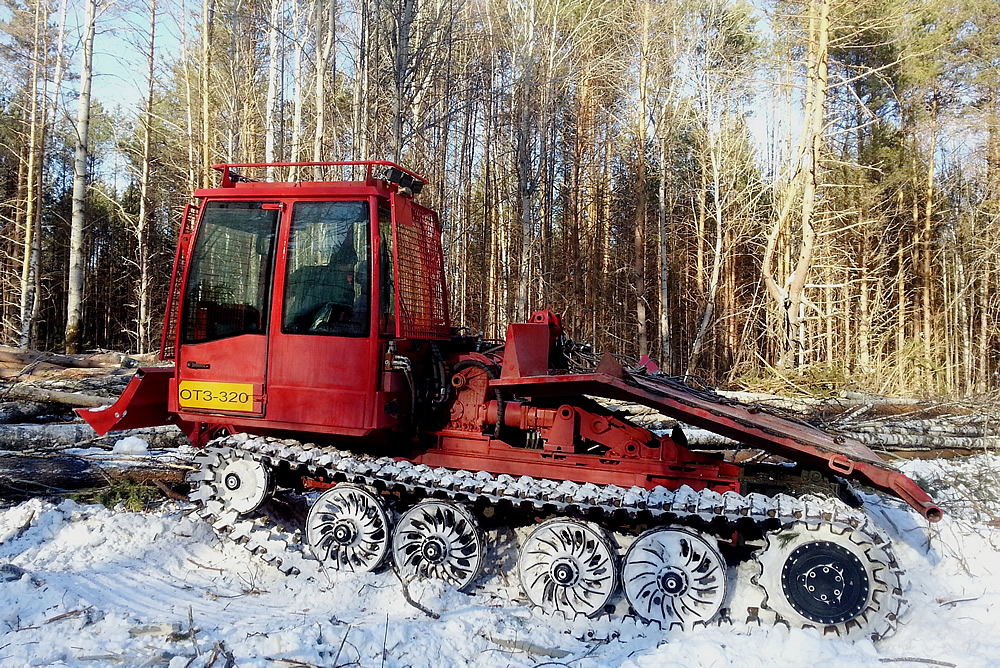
pixel 839 579
pixel 239 482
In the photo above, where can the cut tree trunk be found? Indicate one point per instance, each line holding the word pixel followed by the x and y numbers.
pixel 44 459
pixel 25 357
pixel 53 438
pixel 26 476
pixel 33 393
pixel 28 411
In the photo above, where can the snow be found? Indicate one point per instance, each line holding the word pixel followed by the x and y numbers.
pixel 130 445
pixel 84 585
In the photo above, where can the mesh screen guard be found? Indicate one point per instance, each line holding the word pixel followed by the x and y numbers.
pixel 421 297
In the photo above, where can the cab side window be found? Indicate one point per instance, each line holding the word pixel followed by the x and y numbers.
pixel 328 267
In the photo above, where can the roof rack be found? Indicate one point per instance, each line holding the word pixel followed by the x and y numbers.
pixel 392 173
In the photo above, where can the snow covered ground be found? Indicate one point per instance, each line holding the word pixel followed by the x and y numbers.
pixel 84 585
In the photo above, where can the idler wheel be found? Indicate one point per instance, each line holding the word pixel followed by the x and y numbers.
pixel 439 540
pixel 569 567
pixel 348 529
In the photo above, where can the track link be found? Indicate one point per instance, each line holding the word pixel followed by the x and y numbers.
pixel 711 511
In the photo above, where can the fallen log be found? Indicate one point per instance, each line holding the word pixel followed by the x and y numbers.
pixel 12 412
pixel 884 441
pixel 887 442
pixel 31 367
pixel 52 437
pixel 24 476
pixel 25 357
pixel 41 459
pixel 979 429
pixel 34 393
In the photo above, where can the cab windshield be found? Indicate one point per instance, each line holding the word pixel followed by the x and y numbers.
pixel 229 282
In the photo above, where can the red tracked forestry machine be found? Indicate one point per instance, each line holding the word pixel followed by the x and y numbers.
pixel 312 354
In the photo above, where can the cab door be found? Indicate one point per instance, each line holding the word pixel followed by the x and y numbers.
pixel 323 359
pixel 226 310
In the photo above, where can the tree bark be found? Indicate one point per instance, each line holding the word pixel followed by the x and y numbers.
pixel 52 438
pixel 926 245
pixel 818 83
pixel 207 18
pixel 74 302
pixel 401 74
pixel 29 258
pixel 32 393
pixel 297 96
pixel 639 261
pixel 325 32
pixel 525 131
pixel 192 162
pixel 361 98
pixel 666 347
pixel 272 86
pixel 143 320
pixel 717 257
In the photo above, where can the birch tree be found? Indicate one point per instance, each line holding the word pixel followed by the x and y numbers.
pixel 144 222
pixel 270 133
pixel 76 260
pixel 731 188
pixel 325 36
pixel 806 177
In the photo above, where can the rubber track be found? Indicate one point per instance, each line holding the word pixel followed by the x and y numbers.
pixel 609 503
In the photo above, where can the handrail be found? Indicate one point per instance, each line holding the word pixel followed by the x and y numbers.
pixel 227 182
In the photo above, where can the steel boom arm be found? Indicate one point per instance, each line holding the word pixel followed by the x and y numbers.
pixel 785 437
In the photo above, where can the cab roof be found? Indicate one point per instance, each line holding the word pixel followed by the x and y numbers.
pixel 380 178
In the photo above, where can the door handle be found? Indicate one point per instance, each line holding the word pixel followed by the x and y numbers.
pixel 196 365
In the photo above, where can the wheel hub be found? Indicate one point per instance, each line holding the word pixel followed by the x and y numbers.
pixel 241 483
pixel 434 550
pixel 825 582
pixel 344 532
pixel 673 581
pixel 565 572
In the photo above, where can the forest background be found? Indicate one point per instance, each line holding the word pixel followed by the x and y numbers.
pixel 803 196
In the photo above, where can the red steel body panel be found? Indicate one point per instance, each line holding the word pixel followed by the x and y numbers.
pixel 322 381
pixel 238 359
pixel 527 351
pixel 481 453
pixel 307 383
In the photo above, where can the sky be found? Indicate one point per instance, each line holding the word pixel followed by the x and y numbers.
pixel 120 45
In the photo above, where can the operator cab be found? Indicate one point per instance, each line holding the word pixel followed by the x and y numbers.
pixel 289 298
